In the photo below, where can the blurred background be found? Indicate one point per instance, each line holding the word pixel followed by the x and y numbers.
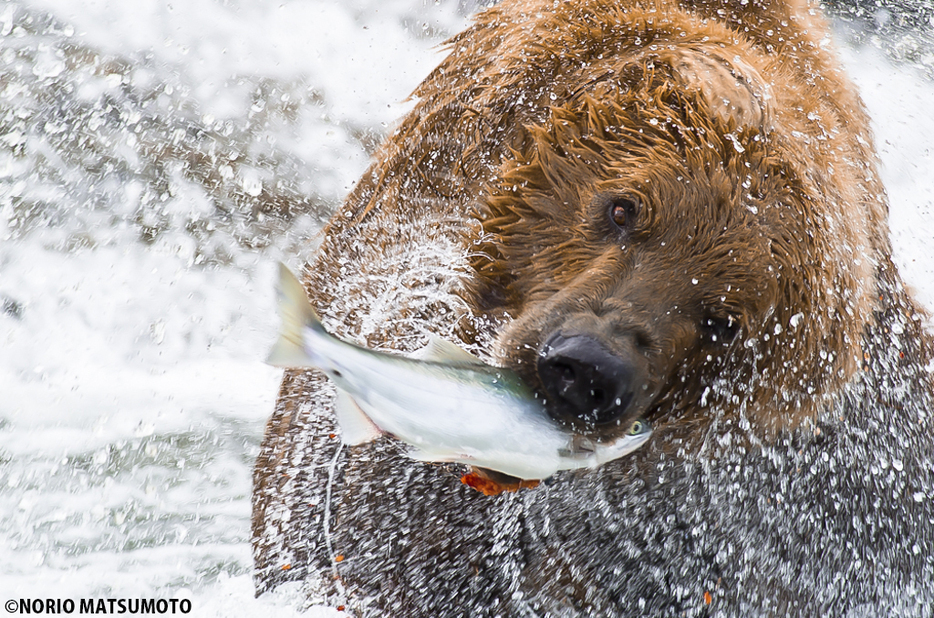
pixel 156 160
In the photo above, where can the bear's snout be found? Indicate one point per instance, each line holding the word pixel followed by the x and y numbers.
pixel 584 381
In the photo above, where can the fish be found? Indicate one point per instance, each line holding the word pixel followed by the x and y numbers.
pixel 444 403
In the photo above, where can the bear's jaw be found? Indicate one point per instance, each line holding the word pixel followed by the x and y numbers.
pixel 600 365
pixel 595 376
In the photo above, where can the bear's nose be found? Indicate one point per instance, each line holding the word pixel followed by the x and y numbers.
pixel 583 380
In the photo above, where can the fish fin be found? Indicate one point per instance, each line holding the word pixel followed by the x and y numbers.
pixel 440 350
pixel 492 483
pixel 356 426
pixel 296 313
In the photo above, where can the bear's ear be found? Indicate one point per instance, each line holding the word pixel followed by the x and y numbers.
pixel 733 89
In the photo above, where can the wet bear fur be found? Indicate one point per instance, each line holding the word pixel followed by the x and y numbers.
pixel 693 186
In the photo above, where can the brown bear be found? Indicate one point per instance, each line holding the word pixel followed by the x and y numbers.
pixel 665 209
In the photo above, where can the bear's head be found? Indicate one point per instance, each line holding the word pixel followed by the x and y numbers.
pixel 675 240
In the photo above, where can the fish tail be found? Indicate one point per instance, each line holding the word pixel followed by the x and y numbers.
pixel 296 314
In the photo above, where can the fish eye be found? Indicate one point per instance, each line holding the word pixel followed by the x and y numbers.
pixel 638 427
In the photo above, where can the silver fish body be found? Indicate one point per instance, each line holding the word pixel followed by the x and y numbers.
pixel 448 405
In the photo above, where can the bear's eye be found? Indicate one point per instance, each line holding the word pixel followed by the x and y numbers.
pixel 622 211
pixel 722 330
